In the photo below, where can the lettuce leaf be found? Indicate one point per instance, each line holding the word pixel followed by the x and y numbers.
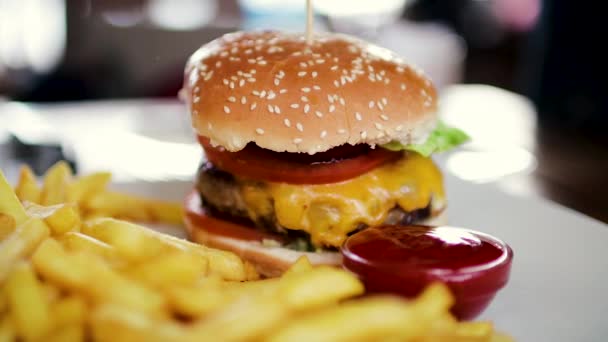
pixel 443 138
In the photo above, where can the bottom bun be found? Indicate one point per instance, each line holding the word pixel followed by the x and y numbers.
pixel 273 261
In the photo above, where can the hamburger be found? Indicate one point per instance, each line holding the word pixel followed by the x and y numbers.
pixel 308 143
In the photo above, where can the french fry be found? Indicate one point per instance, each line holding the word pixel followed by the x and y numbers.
pixel 63 220
pixel 7 329
pixel 79 242
pixel 300 290
pixel 301 265
pixel 88 273
pixel 27 188
pixel 368 319
pixel 199 300
pixel 173 269
pixel 85 187
pixel 114 323
pixel 9 203
pixel 7 225
pixel 55 181
pixel 27 301
pixel 70 333
pixel 249 318
pixel 20 244
pixel 68 311
pixel 135 208
pixel 137 243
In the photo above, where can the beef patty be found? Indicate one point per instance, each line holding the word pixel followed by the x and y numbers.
pixel 221 193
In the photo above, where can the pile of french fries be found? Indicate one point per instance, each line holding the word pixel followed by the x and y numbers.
pixel 71 271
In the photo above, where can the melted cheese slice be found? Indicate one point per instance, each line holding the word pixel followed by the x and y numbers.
pixel 328 212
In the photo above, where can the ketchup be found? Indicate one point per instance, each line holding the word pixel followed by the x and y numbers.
pixel 405 259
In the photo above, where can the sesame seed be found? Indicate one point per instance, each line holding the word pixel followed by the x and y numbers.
pixel 277 110
pixel 320 61
pixel 282 91
pixel 232 99
pixel 398 128
pixel 243 99
pixel 378 125
pixel 318 113
pixel 323 134
pixel 314 74
pixel 334 68
pixel 403 86
pixel 263 94
pixel 253 71
pixel 262 62
pixel 242 82
pixel 251 80
pixel 342 102
pixel 226 110
pixel 251 61
pixel 400 69
pixel 301 73
pixel 303 65
pixel 253 105
pixel 387 80
pixel 276 82
pixel 234 78
pixel 271 95
pixel 422 92
pixel 225 81
pixel 297 140
pixel 311 62
pixel 196 99
pixel 358 116
pixel 259 131
pixel 300 127
pixel 330 98
pixel 218 64
pixel 384 117
pixel 384 101
pixel 304 99
pixel 306 108
pixel 256 93
pixel 287 122
pixel 294 105
pixel 281 74
pixel 270 108
pixel 336 83
pixel 332 108
pixel 208 76
pixel 209 126
pixel 341 131
pixel 306 89
pixel 379 104
pixel 371 104
pixel 382 72
pixel 231 85
pixel 316 87
pixel 363 135
pixel 224 54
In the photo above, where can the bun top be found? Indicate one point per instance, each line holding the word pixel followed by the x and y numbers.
pixel 274 89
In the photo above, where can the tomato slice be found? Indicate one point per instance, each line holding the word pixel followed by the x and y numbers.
pixel 200 219
pixel 338 164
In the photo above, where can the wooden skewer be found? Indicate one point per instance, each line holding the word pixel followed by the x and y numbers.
pixel 309 22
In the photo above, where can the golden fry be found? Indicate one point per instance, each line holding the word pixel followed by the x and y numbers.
pixel 55 182
pixel 86 187
pixel 300 291
pixel 20 244
pixel 135 208
pixel 7 225
pixel 63 220
pixel 76 241
pixel 174 269
pixel 28 305
pixel 27 188
pixel 7 329
pixel 68 311
pixel 9 203
pixel 114 323
pixel 71 333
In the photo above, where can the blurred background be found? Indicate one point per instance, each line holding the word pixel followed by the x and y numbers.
pixel 526 78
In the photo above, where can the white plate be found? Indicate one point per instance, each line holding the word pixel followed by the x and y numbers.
pixel 559 280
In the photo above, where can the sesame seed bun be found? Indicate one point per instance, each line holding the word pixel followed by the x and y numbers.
pixel 275 90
